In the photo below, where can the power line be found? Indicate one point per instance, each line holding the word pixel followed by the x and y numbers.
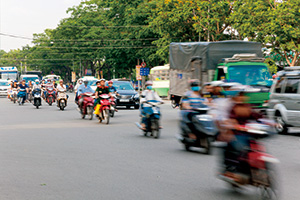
pixel 16 36
pixel 83 26
pixel 137 47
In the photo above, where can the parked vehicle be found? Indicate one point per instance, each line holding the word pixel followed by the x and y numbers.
pixel 62 100
pixel 153 120
pixel 203 129
pixel 37 99
pixel 255 167
pixel 50 96
pixel 236 61
pixel 284 102
pixel 127 96
pixel 4 87
pixel 87 106
pixel 105 108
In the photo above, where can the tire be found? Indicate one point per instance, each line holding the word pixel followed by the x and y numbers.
pixel 128 107
pixel 187 147
pixel 37 107
pixel 50 101
pixel 281 128
pixel 89 111
pixel 272 191
pixel 62 106
pixel 112 113
pixel 106 116
pixel 136 106
pixel 155 129
pixel 208 147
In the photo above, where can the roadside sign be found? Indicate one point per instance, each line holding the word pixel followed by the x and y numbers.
pixel 144 71
pixel 143 64
pixel 73 77
pixel 138 75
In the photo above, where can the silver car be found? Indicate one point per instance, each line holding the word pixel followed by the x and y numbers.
pixel 4 86
pixel 284 102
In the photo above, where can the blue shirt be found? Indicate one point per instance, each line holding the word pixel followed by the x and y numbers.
pixel 112 89
pixel 23 87
pixel 195 101
pixel 82 89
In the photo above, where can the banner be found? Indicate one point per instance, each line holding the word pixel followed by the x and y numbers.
pixel 138 76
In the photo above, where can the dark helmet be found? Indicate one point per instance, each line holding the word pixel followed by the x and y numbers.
pixel 194 83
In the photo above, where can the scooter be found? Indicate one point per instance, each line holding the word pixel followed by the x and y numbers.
pixel 254 166
pixel 105 108
pixel 200 132
pixel 62 100
pixel 153 119
pixel 37 100
pixel 50 96
pixel 21 96
pixel 87 105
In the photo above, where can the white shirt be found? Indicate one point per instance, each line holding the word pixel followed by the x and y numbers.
pixel 148 95
pixel 60 88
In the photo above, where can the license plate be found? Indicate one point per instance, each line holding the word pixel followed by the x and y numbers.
pixel 124 100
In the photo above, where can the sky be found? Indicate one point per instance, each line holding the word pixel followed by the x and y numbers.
pixel 26 17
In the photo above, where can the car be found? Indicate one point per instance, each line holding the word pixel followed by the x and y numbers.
pixel 4 87
pixel 127 96
pixel 30 77
pixel 284 102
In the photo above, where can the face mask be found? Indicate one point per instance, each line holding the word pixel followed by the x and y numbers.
pixel 196 88
pixel 149 87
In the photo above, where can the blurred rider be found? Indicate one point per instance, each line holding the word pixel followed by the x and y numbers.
pixel 48 86
pixel 111 88
pixel 147 95
pixel 61 87
pixel 23 86
pixel 79 82
pixel 191 101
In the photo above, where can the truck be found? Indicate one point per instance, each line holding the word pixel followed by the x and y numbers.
pixel 9 73
pixel 233 61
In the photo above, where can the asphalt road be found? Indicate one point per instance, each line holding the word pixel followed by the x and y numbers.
pixel 55 155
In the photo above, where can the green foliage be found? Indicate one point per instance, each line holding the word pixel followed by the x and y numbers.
pixel 271 65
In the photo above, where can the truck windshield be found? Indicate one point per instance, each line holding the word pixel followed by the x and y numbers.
pixel 27 79
pixel 250 75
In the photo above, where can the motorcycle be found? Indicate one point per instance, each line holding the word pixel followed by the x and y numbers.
pixel 50 96
pixel 113 105
pixel 254 166
pixel 37 100
pixel 21 96
pixel 202 128
pixel 152 119
pixel 87 105
pixel 62 100
pixel 14 95
pixel 105 108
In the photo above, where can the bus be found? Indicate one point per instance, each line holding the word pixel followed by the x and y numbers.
pixel 160 77
pixel 7 73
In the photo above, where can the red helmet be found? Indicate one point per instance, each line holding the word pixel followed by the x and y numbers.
pixel 110 82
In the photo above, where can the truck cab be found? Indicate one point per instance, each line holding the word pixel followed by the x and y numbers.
pixel 247 69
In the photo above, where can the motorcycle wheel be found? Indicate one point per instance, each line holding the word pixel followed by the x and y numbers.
pixel 37 107
pixel 62 106
pixel 187 147
pixel 272 191
pixel 89 111
pixel 106 116
pixel 50 101
pixel 208 146
pixel 112 113
pixel 20 101
pixel 155 129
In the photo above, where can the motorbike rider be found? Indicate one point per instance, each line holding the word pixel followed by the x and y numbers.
pixel 14 85
pixel 239 114
pixel 191 101
pixel 23 86
pixel 83 88
pixel 54 84
pixel 61 87
pixel 48 86
pixel 101 89
pixel 111 88
pixel 147 95
pixel 79 82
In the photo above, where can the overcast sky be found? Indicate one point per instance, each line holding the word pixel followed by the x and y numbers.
pixel 26 17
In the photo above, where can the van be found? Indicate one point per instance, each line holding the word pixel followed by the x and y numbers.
pixel 284 102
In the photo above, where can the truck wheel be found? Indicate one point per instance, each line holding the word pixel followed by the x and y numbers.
pixel 281 126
